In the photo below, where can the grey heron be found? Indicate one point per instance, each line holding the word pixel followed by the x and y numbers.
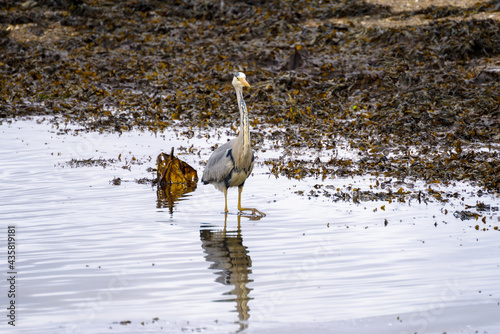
pixel 231 163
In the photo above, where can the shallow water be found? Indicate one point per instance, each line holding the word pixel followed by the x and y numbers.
pixel 94 257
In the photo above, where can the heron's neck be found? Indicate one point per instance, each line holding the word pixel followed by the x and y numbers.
pixel 244 127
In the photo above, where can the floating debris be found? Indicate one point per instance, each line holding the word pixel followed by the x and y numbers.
pixel 466 215
pixel 116 181
pixel 171 169
pixel 90 162
pixel 175 179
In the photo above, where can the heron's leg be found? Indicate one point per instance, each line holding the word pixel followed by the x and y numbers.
pixel 225 200
pixel 254 210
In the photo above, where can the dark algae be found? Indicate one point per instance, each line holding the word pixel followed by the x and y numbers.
pixel 415 92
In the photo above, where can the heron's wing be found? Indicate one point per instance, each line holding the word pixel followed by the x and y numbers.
pixel 220 164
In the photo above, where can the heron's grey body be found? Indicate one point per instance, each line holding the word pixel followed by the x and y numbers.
pixel 229 166
pixel 231 163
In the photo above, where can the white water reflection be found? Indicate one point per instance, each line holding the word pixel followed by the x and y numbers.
pixel 93 254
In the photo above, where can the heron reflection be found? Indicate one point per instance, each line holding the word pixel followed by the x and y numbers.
pixel 225 250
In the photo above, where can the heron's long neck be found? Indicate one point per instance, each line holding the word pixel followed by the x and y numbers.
pixel 244 128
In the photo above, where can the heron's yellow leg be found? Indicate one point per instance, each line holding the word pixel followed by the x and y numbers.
pixel 225 200
pixel 254 210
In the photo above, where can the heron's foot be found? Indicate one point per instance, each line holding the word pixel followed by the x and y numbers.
pixel 255 212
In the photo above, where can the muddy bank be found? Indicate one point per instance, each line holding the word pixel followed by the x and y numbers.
pixel 416 98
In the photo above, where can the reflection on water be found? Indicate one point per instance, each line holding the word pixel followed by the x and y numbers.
pixel 228 255
pixel 168 194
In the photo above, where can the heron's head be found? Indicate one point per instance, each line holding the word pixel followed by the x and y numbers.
pixel 240 80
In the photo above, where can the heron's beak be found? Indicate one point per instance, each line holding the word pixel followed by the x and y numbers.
pixel 243 81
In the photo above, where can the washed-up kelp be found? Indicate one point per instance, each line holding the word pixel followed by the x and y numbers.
pixel 175 179
pixel 171 169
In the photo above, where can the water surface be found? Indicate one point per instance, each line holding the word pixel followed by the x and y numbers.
pixel 95 257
